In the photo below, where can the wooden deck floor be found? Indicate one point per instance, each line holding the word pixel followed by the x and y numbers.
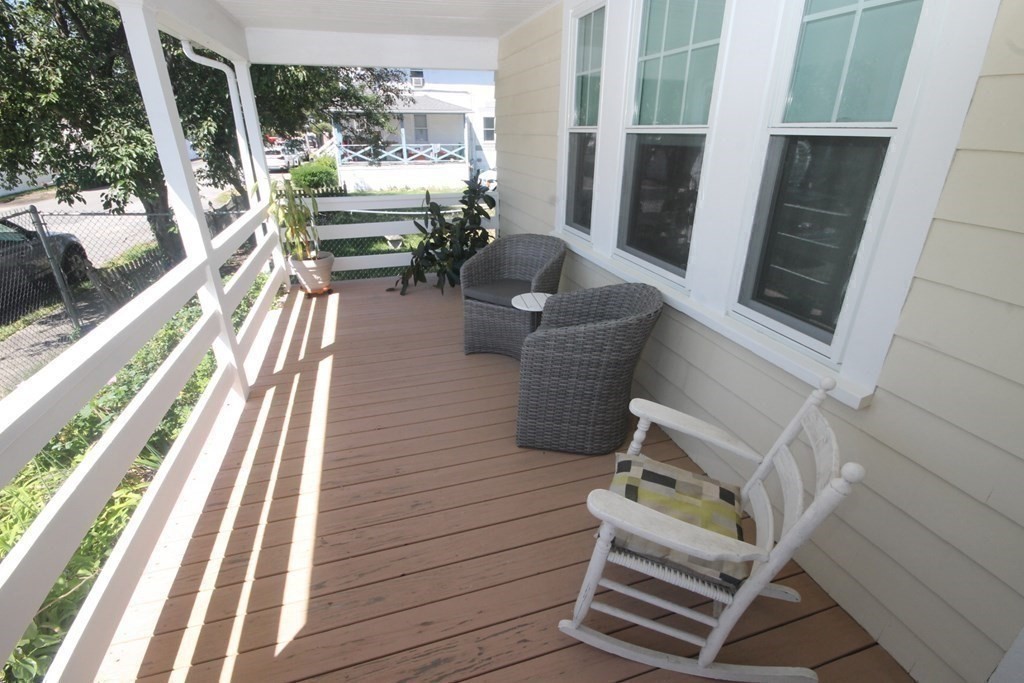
pixel 375 521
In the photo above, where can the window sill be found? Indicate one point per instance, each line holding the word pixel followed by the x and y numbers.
pixel 780 352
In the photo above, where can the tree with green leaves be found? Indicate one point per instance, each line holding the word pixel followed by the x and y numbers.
pixel 71 106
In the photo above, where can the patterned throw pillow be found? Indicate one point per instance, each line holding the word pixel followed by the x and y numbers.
pixel 688 497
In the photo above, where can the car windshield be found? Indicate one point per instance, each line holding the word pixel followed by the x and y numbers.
pixel 274 151
pixel 9 233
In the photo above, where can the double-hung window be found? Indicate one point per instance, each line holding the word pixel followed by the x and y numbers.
pixel 583 131
pixel 419 126
pixel 824 161
pixel 772 166
pixel 675 72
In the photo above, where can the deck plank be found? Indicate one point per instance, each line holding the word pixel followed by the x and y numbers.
pixel 375 469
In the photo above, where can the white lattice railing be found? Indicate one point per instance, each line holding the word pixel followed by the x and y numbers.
pixel 405 154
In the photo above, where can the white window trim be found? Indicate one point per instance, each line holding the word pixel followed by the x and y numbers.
pixel 940 77
pixel 571 19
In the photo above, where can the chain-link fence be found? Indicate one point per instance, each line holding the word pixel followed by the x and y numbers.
pixel 61 274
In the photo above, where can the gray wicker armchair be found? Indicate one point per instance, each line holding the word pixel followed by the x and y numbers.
pixel 503 269
pixel 576 370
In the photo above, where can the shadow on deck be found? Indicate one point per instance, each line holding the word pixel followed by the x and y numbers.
pixel 374 520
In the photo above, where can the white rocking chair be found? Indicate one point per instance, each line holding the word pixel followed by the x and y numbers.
pixel 681 528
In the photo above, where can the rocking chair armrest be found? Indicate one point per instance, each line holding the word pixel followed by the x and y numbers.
pixel 662 529
pixel 694 426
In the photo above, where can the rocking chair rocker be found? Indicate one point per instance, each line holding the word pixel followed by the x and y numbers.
pixel 683 529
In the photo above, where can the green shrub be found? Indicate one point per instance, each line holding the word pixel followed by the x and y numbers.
pixel 314 175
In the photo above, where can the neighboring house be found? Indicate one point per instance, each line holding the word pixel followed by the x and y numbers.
pixel 449 120
pixel 473 90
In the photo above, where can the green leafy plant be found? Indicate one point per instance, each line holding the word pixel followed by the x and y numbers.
pixel 448 243
pixel 291 210
pixel 317 174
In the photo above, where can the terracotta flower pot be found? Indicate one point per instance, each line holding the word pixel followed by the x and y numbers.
pixel 314 275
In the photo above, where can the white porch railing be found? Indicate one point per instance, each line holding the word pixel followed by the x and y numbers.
pixel 375 203
pixel 36 410
pixel 404 154
pixel 39 407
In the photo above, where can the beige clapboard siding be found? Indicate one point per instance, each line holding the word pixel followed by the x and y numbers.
pixel 997 353
pixel 1004 55
pixel 535 54
pixel 979 402
pixel 952 248
pixel 995 123
pixel 537 100
pixel 527 87
pixel 528 213
pixel 545 23
pixel 983 188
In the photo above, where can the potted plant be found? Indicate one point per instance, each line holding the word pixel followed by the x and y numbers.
pixel 447 244
pixel 295 213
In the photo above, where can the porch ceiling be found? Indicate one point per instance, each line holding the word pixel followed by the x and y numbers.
pixel 468 18
pixel 388 33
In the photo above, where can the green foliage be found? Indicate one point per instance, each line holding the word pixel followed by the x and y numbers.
pixel 23 499
pixel 447 244
pixel 295 214
pixel 317 174
pixel 71 105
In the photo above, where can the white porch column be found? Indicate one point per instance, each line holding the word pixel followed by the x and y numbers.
pixel 162 111
pixel 469 159
pixel 252 127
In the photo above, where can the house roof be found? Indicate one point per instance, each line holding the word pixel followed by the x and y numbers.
pixel 425 104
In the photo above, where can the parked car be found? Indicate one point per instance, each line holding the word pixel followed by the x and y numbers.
pixel 25 273
pixel 296 150
pixel 277 159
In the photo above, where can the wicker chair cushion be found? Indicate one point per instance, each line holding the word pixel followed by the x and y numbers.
pixel 497 292
pixel 686 496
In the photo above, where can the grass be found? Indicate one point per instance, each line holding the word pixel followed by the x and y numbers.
pixel 43 191
pixel 132 253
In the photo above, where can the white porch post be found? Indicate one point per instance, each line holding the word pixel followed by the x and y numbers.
pixel 162 111
pixel 252 127
pixel 339 144
pixel 465 145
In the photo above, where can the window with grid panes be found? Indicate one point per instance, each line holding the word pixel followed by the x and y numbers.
pixel 583 131
pixel 419 127
pixel 825 158
pixel 675 72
